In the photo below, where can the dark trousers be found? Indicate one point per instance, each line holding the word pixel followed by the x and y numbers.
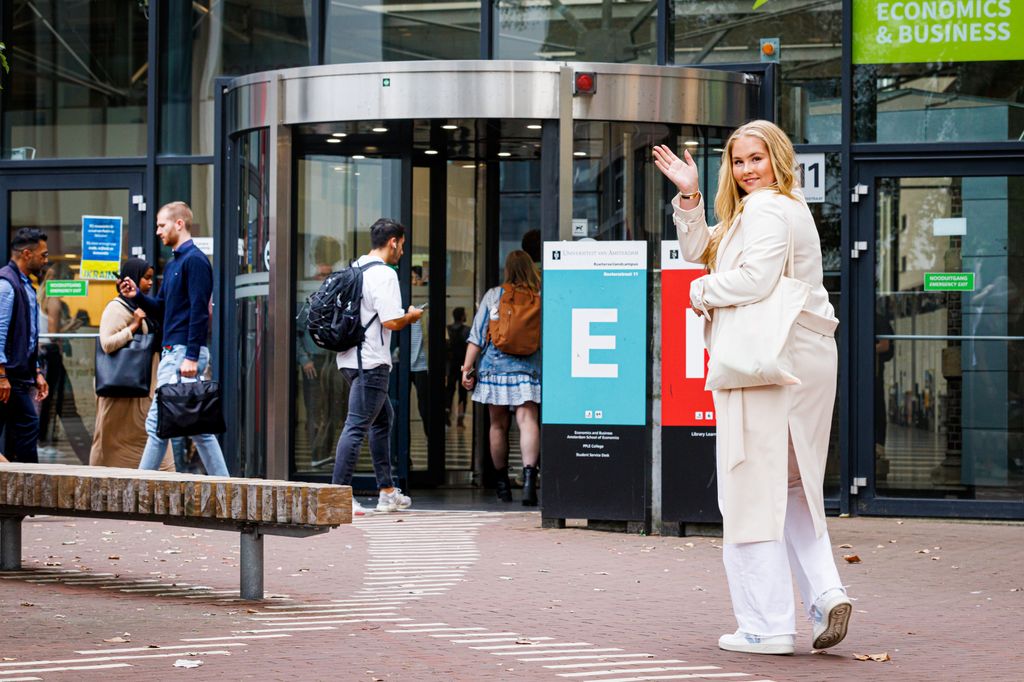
pixel 369 410
pixel 19 423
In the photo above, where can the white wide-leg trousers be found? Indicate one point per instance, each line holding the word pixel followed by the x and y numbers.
pixel 760 573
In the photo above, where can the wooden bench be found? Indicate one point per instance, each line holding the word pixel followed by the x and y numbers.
pixel 253 507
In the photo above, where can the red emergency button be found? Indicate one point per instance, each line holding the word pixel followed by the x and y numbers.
pixel 584 83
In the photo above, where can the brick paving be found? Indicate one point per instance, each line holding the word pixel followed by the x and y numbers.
pixel 953 612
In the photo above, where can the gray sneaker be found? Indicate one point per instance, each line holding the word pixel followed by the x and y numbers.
pixel 831 616
pixel 393 501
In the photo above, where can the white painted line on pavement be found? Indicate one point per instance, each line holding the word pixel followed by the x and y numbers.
pixel 562 666
pixel 701 676
pixel 482 634
pixel 420 625
pixel 521 651
pixel 338 622
pixel 283 619
pixel 233 637
pixel 128 650
pixel 327 627
pixel 619 671
pixel 361 609
pixel 19 679
pixel 106 666
pixel 433 630
pixel 495 639
pixel 30 666
pixel 577 658
pixel 533 646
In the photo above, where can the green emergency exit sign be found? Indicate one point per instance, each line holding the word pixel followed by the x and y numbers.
pixel 67 287
pixel 949 281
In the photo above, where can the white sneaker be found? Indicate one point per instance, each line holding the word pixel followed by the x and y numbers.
pixel 753 644
pixel 357 509
pixel 831 616
pixel 393 501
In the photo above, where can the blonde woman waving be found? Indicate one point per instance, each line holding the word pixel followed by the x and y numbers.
pixel 772 440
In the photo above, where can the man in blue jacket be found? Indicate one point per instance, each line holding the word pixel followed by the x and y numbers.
pixel 20 373
pixel 184 306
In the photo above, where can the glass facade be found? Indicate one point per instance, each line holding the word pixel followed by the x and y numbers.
pixel 946 421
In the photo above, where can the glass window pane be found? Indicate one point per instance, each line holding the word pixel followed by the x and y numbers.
pixel 68 416
pixel 938 102
pixel 949 391
pixel 338 198
pixel 194 186
pixel 77 85
pixel 209 38
pixel 588 30
pixel 407 30
pixel 810 41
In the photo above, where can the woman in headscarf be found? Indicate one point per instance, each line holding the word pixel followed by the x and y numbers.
pixel 120 435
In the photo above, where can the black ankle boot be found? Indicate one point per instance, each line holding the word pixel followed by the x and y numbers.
pixel 504 486
pixel 529 486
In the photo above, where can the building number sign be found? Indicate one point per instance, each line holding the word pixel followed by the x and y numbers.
pixel 812 176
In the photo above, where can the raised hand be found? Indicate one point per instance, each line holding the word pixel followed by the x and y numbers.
pixel 681 172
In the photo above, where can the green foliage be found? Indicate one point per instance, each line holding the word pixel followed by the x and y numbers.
pixel 3 62
pixel 758 3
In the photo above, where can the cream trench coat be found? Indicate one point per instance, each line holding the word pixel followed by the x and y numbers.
pixel 753 450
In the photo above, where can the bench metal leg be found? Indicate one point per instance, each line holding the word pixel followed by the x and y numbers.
pixel 251 565
pixel 10 543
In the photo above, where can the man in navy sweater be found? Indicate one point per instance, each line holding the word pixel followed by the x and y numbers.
pixel 22 382
pixel 184 306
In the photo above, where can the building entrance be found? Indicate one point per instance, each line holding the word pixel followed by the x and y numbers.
pixel 472 157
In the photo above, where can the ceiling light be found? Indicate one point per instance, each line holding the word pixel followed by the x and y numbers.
pixel 357 173
pixel 579 153
pixel 380 130
pixel 534 126
pixel 504 154
pixel 692 143
pixel 333 140
pixel 449 127
pixel 718 149
pixel 358 157
pixel 469 165
pixel 431 152
pixel 338 134
pixel 339 168
pixel 71 255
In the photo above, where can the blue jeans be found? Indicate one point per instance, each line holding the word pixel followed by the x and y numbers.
pixel 206 444
pixel 369 409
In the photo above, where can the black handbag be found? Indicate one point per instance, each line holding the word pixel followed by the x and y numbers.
pixel 189 409
pixel 128 371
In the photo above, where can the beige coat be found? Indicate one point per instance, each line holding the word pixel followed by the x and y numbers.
pixel 120 435
pixel 752 446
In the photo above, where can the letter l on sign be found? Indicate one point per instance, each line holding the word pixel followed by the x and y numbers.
pixel 583 342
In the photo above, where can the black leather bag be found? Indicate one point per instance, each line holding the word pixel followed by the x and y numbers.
pixel 128 371
pixel 189 409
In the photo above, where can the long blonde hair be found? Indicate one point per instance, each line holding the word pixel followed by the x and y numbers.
pixel 519 270
pixel 729 200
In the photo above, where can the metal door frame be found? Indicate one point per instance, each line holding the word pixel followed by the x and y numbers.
pixel 865 498
pixel 131 179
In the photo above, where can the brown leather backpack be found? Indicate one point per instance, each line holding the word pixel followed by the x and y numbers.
pixel 517 329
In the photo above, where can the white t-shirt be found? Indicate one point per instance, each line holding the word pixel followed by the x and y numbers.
pixel 381 297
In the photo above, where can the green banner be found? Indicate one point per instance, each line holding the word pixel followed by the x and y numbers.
pixel 67 287
pixel 949 281
pixel 914 31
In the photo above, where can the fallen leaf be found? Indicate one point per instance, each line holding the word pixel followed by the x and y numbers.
pixel 8 658
pixel 27 603
pixel 116 640
pixel 846 546
pixel 851 558
pixel 69 542
pixel 924 551
pixel 113 557
pixel 879 658
pixel 185 663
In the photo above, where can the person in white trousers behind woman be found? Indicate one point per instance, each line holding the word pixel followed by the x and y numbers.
pixel 772 440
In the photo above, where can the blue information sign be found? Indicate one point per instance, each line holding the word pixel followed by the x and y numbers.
pixel 101 246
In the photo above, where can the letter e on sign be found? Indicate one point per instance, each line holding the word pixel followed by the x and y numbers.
pixel 583 342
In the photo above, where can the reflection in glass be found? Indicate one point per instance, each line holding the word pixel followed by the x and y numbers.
pixel 810 56
pixel 77 85
pixel 338 198
pixel 362 31
pixel 209 38
pixel 192 184
pixel 938 102
pixel 949 394
pixel 591 30
pixel 67 417
pixel 252 281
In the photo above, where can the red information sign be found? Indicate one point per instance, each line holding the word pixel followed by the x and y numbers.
pixel 684 402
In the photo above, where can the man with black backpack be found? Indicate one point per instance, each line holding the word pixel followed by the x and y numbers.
pixel 366 364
